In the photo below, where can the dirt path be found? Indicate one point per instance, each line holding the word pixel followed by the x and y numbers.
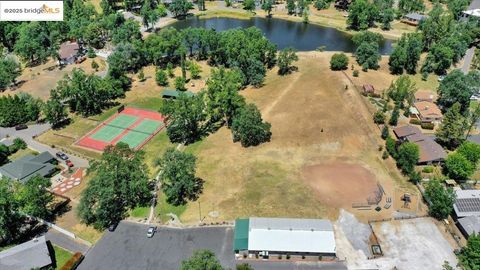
pixel 285 91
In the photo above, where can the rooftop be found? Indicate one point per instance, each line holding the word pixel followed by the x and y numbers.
pixel 26 167
pixel 467 203
pixel 470 224
pixel 428 109
pixel 68 49
pixel 425 95
pixel 405 131
pixel 26 256
pixel 415 16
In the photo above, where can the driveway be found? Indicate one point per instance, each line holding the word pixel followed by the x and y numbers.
pixel 467 62
pixel 65 242
pixel 128 248
pixel 35 130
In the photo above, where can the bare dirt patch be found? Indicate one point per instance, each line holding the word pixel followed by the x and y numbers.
pixel 340 184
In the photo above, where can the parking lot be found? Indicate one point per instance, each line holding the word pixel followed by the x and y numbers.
pixel 128 248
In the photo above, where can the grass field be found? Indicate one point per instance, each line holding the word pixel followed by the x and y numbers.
pixel 21 153
pixel 61 256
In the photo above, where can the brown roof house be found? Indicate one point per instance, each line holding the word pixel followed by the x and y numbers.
pixel 68 52
pixel 427 111
pixel 430 151
pixel 424 95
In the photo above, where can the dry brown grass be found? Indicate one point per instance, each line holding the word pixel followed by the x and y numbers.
pixel 267 180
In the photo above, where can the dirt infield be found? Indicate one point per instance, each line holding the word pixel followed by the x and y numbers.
pixel 340 184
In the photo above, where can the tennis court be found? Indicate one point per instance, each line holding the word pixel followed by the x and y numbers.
pixel 132 126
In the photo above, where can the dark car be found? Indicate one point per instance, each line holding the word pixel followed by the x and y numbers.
pixel 113 226
pixel 21 126
pixel 61 155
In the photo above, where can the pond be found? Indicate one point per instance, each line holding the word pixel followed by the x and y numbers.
pixel 303 37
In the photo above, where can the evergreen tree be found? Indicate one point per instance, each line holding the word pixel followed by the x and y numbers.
pixel 451 132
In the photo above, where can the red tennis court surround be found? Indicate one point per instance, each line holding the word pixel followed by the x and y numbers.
pixel 132 126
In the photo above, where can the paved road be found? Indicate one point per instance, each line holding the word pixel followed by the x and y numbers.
pixel 468 60
pixel 34 130
pixel 65 242
pixel 128 248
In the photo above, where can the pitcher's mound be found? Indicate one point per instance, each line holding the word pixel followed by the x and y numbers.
pixel 340 184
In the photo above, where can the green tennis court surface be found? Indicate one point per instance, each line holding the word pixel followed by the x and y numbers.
pixel 107 133
pixel 133 138
pixel 148 126
pixel 123 121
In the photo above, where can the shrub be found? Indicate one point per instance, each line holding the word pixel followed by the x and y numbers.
pixel 385 132
pixel 427 169
pixel 390 145
pixel 355 73
pixel 288 256
pixel 339 61
pixel 379 117
pixel 415 121
pixel 73 262
pixel 180 84
pixel 429 126
pixel 95 65
pixel 415 177
pixel 161 77
pixel 385 154
pixel 91 53
pixel 19 144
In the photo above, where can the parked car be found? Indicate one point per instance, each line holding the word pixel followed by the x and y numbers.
pixel 69 163
pixel 21 126
pixel 441 77
pixel 61 155
pixel 151 231
pixel 113 226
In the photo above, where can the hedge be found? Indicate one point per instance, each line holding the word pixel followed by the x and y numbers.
pixel 428 126
pixel 73 262
pixel 415 121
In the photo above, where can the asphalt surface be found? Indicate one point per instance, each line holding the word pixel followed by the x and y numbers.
pixel 35 130
pixel 468 60
pixel 65 242
pixel 128 248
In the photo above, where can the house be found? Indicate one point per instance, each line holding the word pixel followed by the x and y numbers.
pixel 413 18
pixel 467 211
pixel 472 10
pixel 34 254
pixel 174 94
pixel 68 53
pixel 368 89
pixel 429 151
pixel 423 95
pixel 427 112
pixel 474 138
pixel 28 166
pixel 284 236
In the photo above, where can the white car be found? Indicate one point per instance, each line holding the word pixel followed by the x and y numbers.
pixel 151 231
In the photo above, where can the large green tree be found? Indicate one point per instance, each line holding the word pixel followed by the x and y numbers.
pixel 180 8
pixel 457 87
pixel 402 91
pixel 451 132
pixel 54 110
pixel 201 260
pixel 458 167
pixel 470 151
pixel 120 183
pixel 10 218
pixel 178 180
pixel 361 15
pixel 339 61
pixel 34 197
pixel 406 54
pixel 367 55
pixel 285 59
pixel 407 157
pixel 469 257
pixel 440 199
pixel 407 6
pixel 9 70
pixel 249 128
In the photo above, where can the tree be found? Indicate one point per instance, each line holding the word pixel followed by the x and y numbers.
pixel 179 183
pixel 379 117
pixel 440 199
pixel 385 132
pixel 180 8
pixel 469 256
pixel 451 131
pixel 401 90
pixel 120 183
pixel 407 157
pixel 180 84
pixel 391 146
pixel 394 117
pixel 161 77
pixel 458 167
pixel 34 197
pixel 368 37
pixel 439 59
pixel 305 19
pixel 470 151
pixel 407 6
pixel 249 5
pixel 4 152
pixel 201 5
pixel 367 55
pixel 54 110
pixel 321 4
pixel 406 54
pixel 10 218
pixel 195 70
pixel 201 260
pixel 457 87
pixel 285 59
pixel 339 61
pixel 361 15
pixel 249 128
pixel 457 7
pixel 9 70
pixel 185 118
pixel 127 32
pixel 18 109
pixel 267 7
pixel 19 143
pixel 33 44
pixel 149 12
pixel 291 7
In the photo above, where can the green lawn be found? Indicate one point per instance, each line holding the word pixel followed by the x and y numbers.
pixel 21 153
pixel 140 212
pixel 61 256
pixel 163 208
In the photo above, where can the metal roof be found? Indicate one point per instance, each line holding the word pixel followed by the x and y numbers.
pixel 26 167
pixel 26 256
pixel 467 203
pixel 470 224
pixel 415 16
pixel 291 235
pixel 175 93
pixel 241 234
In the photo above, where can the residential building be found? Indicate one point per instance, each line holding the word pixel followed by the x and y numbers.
pixel 424 95
pixel 467 211
pixel 472 10
pixel 34 254
pixel 413 18
pixel 68 52
pixel 267 237
pixel 427 112
pixel 28 166
pixel 368 89
pixel 430 151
